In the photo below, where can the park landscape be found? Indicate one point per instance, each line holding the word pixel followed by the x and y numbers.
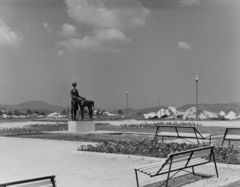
pixel 102 149
pixel 161 79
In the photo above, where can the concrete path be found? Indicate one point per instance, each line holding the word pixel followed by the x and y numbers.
pixel 28 158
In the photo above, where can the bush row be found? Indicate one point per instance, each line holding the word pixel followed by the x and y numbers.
pixel 153 126
pixel 229 155
pixel 35 128
pixel 51 119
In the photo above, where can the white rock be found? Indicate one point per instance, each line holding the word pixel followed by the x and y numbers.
pixel 231 115
pixel 161 113
pixel 190 113
pixel 150 115
pixel 222 113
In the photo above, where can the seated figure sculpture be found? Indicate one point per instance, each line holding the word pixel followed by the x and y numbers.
pixel 82 102
pixel 76 100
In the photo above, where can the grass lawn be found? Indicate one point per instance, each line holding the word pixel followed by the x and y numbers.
pixel 9 120
pixel 127 137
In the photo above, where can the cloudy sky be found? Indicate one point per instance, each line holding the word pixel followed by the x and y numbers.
pixel 151 47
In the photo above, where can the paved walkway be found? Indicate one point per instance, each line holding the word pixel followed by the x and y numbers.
pixel 27 158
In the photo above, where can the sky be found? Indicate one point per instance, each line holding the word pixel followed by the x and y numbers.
pixel 149 47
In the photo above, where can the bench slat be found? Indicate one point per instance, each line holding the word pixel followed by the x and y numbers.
pixel 42 183
pixel 166 129
pixel 154 169
pixel 192 135
pixel 185 130
pixel 231 136
pixel 233 131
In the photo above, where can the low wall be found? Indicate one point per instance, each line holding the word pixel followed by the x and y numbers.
pixel 81 126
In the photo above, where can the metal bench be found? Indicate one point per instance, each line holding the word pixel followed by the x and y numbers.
pixel 180 132
pixel 177 162
pixel 47 181
pixel 231 134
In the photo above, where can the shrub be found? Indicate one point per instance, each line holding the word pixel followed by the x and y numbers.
pixel 35 128
pixel 153 126
pixel 144 147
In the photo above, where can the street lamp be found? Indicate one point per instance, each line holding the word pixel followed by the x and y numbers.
pixel 196 78
pixel 127 100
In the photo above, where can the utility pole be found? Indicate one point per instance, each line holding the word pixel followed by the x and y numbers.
pixel 196 78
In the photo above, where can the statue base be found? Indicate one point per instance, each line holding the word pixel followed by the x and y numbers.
pixel 81 126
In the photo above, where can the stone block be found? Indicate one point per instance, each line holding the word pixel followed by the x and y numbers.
pixel 81 126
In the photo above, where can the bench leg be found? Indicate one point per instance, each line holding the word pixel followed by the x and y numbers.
pixel 222 142
pixel 136 178
pixel 215 163
pixel 162 138
pixel 229 143
pixel 193 170
pixel 210 140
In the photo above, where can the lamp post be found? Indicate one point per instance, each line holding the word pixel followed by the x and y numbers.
pixel 196 78
pixel 127 100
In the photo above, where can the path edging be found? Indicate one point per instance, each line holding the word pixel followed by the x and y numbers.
pixel 112 155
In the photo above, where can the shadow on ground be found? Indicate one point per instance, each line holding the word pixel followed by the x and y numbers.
pixel 181 180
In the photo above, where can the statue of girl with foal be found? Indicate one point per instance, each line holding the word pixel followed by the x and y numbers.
pixel 82 102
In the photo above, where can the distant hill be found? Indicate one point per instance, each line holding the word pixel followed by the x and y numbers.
pixel 39 105
pixel 125 111
pixel 217 107
pixel 152 109
pixel 146 110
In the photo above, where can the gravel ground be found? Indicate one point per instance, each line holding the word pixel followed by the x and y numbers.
pixel 27 158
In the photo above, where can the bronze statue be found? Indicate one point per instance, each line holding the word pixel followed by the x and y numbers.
pixel 81 101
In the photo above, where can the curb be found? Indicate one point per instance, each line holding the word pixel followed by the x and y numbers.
pixel 41 140
pixel 112 155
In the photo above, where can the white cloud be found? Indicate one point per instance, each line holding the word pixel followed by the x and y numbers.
pixel 46 25
pixel 189 2
pixel 68 30
pixel 107 19
pixel 110 35
pixel 97 13
pixel 98 42
pixel 87 42
pixel 184 45
pixel 61 53
pixel 9 36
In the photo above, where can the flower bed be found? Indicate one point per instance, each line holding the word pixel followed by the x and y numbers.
pixel 51 119
pixel 229 155
pixel 35 128
pixel 153 126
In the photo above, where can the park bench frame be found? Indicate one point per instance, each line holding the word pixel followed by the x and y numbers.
pixel 177 162
pixel 181 132
pixel 234 135
pixel 32 181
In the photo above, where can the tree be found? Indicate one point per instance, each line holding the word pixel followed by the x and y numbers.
pixel 64 112
pixel 36 112
pixel 9 113
pixel 1 113
pixel 120 112
pixel 29 111
pixel 42 113
pixel 16 113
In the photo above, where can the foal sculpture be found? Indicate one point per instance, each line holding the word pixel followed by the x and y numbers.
pixel 82 104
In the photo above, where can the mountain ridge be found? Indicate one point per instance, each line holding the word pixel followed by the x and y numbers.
pixel 216 107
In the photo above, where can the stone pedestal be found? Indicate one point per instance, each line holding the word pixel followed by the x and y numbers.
pixel 81 126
